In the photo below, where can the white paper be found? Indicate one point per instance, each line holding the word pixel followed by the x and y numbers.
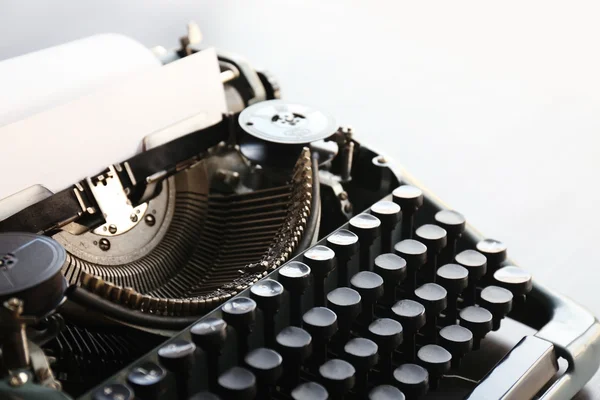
pixel 61 146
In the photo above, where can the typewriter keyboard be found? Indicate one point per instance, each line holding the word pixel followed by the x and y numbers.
pixel 386 307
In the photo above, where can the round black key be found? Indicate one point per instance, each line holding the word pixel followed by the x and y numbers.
pixel 321 260
pixel 409 198
pixel 295 278
pixel 415 254
pixel 346 304
pixel 114 391
pixel 178 357
pixel 478 320
pixel 458 340
pixel 345 244
pixel 454 278
pixel 436 361
pixel 321 323
pixel 476 264
pixel 210 335
pixel 205 396
pixel 498 301
pixel 454 224
pixel 362 354
pixel 435 239
pixel 338 376
pixel 370 287
pixel 494 250
pixel 310 391
pixel 148 380
pixel 389 214
pixel 267 367
pixel 386 392
pixel 368 228
pixel 240 313
pixel 412 380
pixel 515 279
pixel 387 333
pixel 392 269
pixel 295 345
pixel 238 383
pixel 268 294
pixel 411 316
pixel 433 297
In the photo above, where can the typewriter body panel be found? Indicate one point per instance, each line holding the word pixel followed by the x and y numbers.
pixel 273 188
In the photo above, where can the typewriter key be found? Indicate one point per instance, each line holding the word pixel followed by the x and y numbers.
pixel 115 391
pixel 362 354
pixel 454 278
pixel 345 244
pixel 321 323
pixel 412 380
pixel 433 297
pixel 238 383
pixel 295 345
pixel 367 227
pixel 498 301
pixel 240 313
pixel 478 320
pixel 415 254
pixel 295 278
pixel 386 392
pixel 178 358
pixel 409 198
pixel 321 261
pixel 387 333
pixel 454 223
pixel 338 376
pixel 370 287
pixel 458 340
pixel 436 361
pixel 148 380
pixel 411 316
pixel 310 391
pixel 515 279
pixel 346 304
pixel 267 294
pixel 392 269
pixel 476 264
pixel 205 396
pixel 210 335
pixel 435 239
pixel 494 251
pixel 266 365
pixel 389 214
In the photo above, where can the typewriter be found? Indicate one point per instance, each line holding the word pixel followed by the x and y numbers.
pixel 270 255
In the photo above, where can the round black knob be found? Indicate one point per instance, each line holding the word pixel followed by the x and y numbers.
pixel 454 278
pixel 408 197
pixel 239 312
pixel 415 254
pixel 494 250
pixel 386 392
pixel 210 334
pixel 148 380
pixel 267 294
pixel 321 261
pixel 295 345
pixel 436 361
pixel 295 277
pixel 474 262
pixel 362 353
pixel 345 244
pixel 387 212
pixel 205 396
pixel 458 340
pixel 515 279
pixel 432 236
pixel 238 383
pixel 310 391
pixel 321 323
pixel 433 297
pixel 452 221
pixel 498 301
pixel 478 320
pixel 265 364
pixel 177 356
pixel 387 333
pixel 392 269
pixel 346 304
pixel 370 287
pixel 411 316
pixel 412 380
pixel 338 376
pixel 114 391
pixel 366 226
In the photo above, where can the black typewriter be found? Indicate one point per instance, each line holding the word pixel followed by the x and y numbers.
pixel 273 256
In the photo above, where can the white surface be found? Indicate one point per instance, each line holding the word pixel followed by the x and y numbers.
pixel 108 126
pixel 495 106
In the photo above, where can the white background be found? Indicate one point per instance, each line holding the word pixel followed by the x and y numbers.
pixel 495 106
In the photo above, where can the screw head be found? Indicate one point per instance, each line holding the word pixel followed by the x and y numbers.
pixel 104 244
pixel 112 229
pixel 19 379
pixel 150 220
pixel 133 217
